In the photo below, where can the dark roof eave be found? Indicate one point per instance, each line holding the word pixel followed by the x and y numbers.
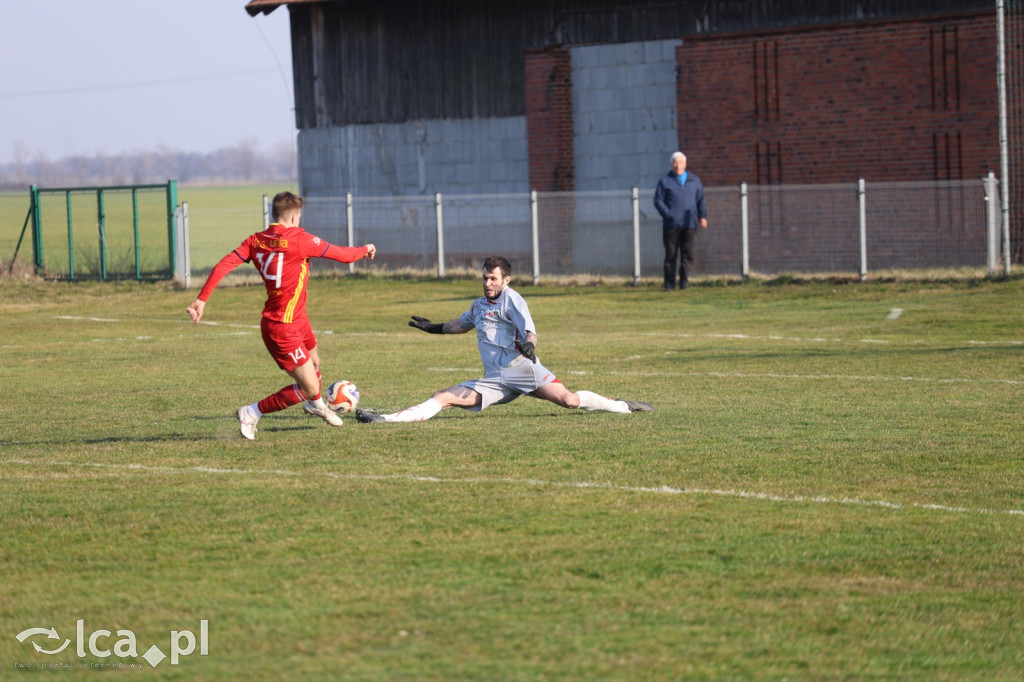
pixel 254 7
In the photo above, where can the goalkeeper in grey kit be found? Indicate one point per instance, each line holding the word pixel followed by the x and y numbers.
pixel 507 341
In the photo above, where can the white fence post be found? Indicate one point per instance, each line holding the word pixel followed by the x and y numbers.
pixel 350 226
pixel 536 237
pixel 440 235
pixel 183 264
pixel 1006 237
pixel 992 222
pixel 745 230
pixel 636 236
pixel 862 202
pixel 266 212
pixel 1004 154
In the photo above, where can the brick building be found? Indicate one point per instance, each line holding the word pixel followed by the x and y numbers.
pixel 896 100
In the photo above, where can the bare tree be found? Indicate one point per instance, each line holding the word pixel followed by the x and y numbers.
pixel 241 163
pixel 21 152
pixel 248 149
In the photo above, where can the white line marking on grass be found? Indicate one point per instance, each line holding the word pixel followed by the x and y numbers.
pixel 894 314
pixel 224 324
pixel 819 339
pixel 121 338
pixel 827 377
pixel 744 337
pixel 736 336
pixel 766 375
pixel 10 346
pixel 579 485
pixel 87 319
pixel 994 343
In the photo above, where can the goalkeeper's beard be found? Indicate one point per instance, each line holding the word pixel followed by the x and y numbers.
pixel 493 295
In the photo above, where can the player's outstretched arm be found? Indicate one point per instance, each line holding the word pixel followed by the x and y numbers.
pixel 349 254
pixel 195 311
pixel 449 327
pixel 223 267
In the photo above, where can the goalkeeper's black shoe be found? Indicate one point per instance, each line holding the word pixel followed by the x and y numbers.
pixel 637 406
pixel 366 417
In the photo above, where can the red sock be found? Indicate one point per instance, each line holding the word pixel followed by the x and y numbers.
pixel 283 399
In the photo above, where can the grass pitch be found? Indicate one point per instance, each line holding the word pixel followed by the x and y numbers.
pixel 830 488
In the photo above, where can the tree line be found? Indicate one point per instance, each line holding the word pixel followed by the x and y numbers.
pixel 244 162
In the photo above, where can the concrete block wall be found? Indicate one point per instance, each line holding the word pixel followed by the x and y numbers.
pixel 624 113
pixel 466 156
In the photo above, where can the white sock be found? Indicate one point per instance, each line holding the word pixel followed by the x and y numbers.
pixel 318 403
pixel 254 410
pixel 416 413
pixel 592 402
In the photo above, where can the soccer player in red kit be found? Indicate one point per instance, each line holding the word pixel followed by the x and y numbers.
pixel 281 254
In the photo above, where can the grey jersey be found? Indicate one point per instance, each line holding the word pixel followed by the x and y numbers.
pixel 498 324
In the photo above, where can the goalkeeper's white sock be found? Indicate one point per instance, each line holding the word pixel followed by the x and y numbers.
pixel 592 402
pixel 416 413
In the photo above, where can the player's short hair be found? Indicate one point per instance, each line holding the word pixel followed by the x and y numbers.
pixel 672 159
pixel 285 202
pixel 492 262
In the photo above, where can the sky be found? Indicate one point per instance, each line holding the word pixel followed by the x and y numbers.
pixel 113 76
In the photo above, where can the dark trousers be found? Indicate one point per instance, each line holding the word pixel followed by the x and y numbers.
pixel 678 244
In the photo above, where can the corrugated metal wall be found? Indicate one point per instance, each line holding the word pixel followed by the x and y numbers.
pixel 394 63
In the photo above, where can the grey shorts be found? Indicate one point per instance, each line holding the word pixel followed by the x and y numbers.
pixel 519 378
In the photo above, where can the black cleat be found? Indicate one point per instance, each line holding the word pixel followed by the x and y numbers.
pixel 365 417
pixel 637 406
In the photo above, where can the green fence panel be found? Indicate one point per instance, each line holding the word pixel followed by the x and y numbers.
pixel 15 230
pixel 116 232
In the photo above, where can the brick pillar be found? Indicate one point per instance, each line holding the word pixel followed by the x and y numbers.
pixel 549 119
pixel 549 136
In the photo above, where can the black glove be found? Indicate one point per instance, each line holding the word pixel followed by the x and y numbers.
pixel 527 349
pixel 426 325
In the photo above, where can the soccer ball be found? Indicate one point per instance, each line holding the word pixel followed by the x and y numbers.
pixel 342 396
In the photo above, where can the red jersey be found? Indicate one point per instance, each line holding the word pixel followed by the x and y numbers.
pixel 281 255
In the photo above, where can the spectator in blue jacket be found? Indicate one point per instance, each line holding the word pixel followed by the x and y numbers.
pixel 679 198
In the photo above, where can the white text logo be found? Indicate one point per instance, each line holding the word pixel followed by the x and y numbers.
pixel 99 643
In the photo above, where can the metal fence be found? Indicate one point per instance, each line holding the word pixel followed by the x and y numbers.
pixel 839 228
pixel 850 228
pixel 117 232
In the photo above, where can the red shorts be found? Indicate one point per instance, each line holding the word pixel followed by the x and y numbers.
pixel 289 344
